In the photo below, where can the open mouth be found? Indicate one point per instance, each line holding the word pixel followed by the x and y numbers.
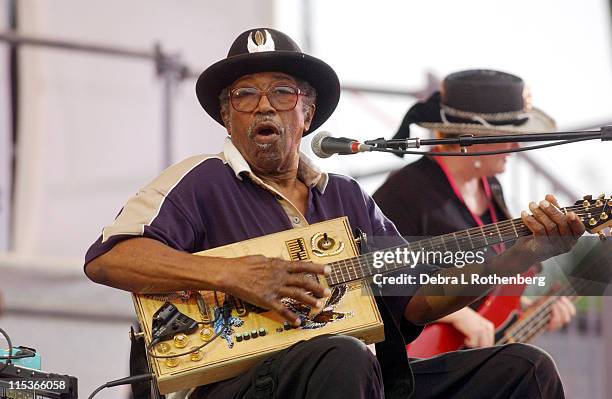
pixel 265 133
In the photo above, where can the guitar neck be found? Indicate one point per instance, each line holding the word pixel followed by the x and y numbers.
pixel 361 266
pixel 534 324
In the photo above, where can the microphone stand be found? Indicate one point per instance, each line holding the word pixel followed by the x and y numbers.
pixel 380 144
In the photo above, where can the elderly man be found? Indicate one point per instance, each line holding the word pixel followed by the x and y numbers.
pixel 268 94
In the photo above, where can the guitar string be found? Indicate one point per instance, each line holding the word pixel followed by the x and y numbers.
pixel 441 242
pixel 540 318
pixel 533 325
pixel 355 261
pixel 530 330
pixel 352 265
pixel 544 310
pixel 522 330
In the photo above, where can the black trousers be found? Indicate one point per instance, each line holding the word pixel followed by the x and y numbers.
pixel 332 367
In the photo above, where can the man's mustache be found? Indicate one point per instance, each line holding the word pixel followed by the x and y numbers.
pixel 264 119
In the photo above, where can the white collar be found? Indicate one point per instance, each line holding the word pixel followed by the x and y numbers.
pixel 308 172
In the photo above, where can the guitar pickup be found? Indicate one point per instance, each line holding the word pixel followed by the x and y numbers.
pixel 168 321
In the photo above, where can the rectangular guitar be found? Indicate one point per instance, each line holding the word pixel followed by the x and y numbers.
pixel 241 335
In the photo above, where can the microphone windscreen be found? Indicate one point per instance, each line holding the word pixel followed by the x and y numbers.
pixel 315 144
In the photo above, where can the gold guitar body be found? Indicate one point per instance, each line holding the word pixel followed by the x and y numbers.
pixel 350 310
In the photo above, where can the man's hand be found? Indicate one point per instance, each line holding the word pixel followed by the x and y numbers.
pixel 562 312
pixel 553 232
pixel 265 281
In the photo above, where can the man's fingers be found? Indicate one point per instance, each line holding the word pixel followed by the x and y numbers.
pixel 575 224
pixel 532 224
pixel 543 218
pixel 285 313
pixel 308 267
pixel 309 284
pixel 553 212
pixel 299 295
pixel 552 199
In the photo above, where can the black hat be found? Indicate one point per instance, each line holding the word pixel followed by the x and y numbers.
pixel 268 50
pixel 478 101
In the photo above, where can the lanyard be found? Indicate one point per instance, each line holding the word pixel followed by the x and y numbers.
pixel 498 248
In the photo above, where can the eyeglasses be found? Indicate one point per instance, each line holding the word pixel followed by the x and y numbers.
pixel 282 98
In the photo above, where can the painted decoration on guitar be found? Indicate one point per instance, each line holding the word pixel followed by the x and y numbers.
pixel 321 319
pixel 223 326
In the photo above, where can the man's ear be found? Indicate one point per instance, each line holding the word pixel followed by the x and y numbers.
pixel 308 116
pixel 226 122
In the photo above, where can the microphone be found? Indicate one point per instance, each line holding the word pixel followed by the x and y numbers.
pixel 324 146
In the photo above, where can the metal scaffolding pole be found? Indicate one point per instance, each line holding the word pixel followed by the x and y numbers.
pixel 168 68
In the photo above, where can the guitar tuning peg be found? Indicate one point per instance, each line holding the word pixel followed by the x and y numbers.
pixel 602 196
pixel 602 235
pixel 587 197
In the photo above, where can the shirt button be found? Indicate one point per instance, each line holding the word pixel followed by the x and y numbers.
pixel 296 220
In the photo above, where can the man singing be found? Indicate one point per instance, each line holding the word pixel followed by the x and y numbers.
pixel 268 95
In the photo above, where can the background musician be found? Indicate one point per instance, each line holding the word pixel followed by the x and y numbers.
pixel 457 193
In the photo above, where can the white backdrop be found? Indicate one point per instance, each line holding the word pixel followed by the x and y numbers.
pixel 91 126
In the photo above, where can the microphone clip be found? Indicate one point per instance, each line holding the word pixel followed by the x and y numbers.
pixel 397 144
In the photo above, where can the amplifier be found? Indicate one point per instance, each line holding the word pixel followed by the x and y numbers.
pixel 18 382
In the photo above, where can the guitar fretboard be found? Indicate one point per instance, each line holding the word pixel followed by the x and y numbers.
pixel 474 238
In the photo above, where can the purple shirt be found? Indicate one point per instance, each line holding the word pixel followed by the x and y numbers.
pixel 208 201
pixel 211 200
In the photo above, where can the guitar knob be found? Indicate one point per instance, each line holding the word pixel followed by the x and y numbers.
pixel 206 334
pixel 197 355
pixel 181 340
pixel 172 361
pixel 163 347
